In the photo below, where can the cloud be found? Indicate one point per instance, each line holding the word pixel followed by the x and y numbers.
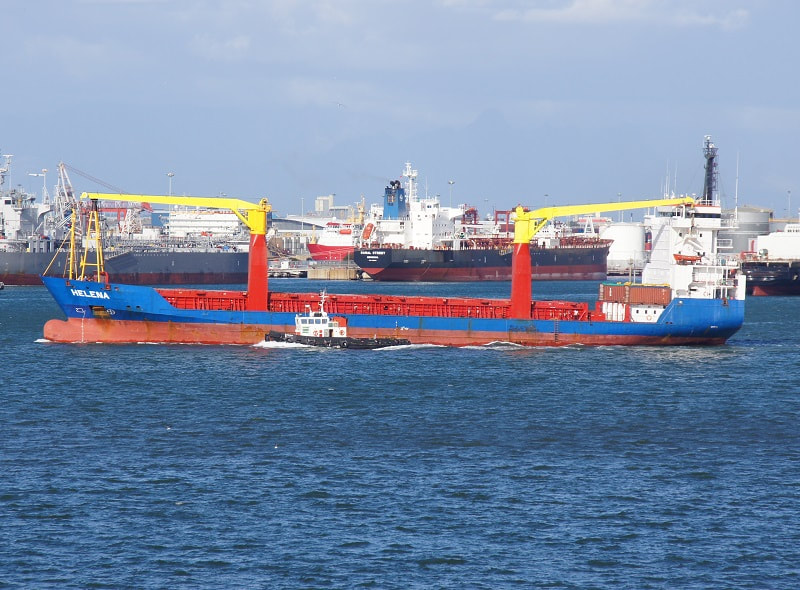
pixel 668 12
pixel 765 119
pixel 226 49
pixel 73 56
pixel 123 1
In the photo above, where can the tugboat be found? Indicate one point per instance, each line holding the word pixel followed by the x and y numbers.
pixel 317 328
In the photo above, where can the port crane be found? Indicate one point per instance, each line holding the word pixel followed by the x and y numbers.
pixel 253 215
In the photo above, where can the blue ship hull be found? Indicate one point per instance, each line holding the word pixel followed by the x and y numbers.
pixel 127 313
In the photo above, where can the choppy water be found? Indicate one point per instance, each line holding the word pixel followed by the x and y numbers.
pixel 416 467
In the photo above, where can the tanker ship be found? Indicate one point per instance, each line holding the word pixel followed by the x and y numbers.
pixel 416 239
pixel 413 238
pixel 338 239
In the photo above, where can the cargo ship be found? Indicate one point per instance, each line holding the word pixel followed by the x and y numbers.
pixel 690 301
pixel 773 267
pixel 32 236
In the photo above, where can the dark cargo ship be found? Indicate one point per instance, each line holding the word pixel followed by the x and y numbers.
pixel 571 259
pixel 772 277
pixel 774 267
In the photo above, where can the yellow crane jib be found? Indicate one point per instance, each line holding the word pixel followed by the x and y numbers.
pixel 256 218
pixel 528 223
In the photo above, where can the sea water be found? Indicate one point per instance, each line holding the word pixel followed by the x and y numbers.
pixel 148 466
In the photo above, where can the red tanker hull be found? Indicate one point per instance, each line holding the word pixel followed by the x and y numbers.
pixel 335 253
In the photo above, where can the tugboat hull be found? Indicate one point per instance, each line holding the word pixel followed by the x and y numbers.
pixel 334 341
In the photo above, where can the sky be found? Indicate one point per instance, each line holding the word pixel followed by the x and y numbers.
pixel 537 102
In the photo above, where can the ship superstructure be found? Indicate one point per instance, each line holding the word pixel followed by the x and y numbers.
pixel 685 248
pixel 26 225
pixel 410 221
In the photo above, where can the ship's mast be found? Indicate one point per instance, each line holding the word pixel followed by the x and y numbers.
pixel 411 182
pixel 94 236
pixel 710 184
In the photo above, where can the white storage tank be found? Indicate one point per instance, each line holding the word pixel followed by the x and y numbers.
pixel 741 226
pixel 627 252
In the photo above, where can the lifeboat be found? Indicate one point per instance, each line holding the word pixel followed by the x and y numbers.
pixel 367 231
pixel 686 259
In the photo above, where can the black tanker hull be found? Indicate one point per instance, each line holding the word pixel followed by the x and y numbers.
pixel 776 277
pixel 137 268
pixel 547 264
